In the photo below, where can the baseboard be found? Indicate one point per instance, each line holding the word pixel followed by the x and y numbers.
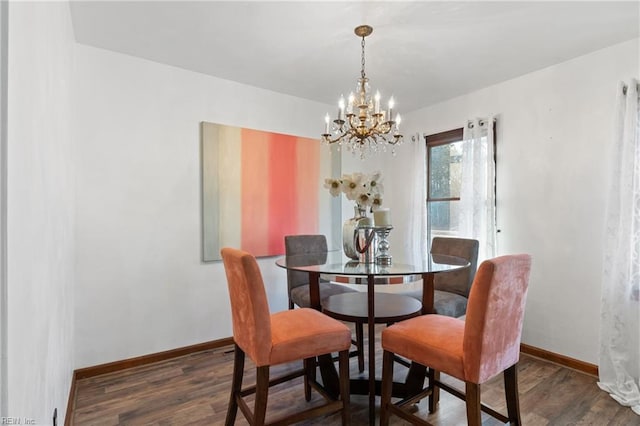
pixel 110 367
pixel 72 398
pixel 565 361
pixel 124 364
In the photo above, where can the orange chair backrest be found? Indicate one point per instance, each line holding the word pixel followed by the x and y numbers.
pixel 493 326
pixel 249 305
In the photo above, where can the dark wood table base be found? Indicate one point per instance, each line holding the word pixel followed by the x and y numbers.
pixel 370 308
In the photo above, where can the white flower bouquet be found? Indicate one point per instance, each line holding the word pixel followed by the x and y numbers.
pixel 365 189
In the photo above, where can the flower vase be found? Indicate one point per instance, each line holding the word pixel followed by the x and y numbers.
pixel 349 231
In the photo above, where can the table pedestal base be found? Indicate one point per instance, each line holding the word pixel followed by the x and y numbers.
pixel 372 308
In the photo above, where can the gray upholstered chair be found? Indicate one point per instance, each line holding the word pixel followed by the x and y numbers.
pixel 452 288
pixel 298 282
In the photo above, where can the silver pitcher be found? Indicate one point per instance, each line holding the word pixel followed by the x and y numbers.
pixel 365 242
pixel 349 232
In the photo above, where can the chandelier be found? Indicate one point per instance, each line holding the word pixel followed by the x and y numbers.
pixel 361 124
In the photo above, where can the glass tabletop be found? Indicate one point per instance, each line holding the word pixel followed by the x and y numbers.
pixel 335 262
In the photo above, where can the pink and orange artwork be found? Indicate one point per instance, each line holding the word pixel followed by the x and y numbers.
pixel 257 187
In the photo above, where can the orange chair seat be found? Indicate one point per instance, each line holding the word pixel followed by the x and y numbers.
pixel 320 335
pixel 433 340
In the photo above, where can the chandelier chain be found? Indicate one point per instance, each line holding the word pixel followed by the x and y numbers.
pixel 362 62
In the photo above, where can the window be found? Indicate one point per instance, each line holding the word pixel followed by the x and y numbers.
pixel 461 184
pixel 444 175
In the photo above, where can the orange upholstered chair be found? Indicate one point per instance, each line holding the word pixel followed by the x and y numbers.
pixel 485 344
pixel 270 339
pixel 298 282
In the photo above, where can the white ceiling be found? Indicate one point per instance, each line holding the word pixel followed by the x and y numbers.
pixel 421 52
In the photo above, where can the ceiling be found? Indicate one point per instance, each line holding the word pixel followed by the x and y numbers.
pixel 421 52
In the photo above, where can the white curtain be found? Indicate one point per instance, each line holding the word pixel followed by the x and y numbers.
pixel 417 226
pixel 477 190
pixel 619 364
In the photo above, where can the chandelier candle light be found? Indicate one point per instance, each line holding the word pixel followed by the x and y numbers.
pixel 361 125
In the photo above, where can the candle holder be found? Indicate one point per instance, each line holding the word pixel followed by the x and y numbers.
pixel 383 257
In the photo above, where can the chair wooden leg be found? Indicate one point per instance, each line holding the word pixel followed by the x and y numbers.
pixel 387 385
pixel 511 391
pixel 343 366
pixel 434 398
pixel 474 413
pixel 236 385
pixel 309 375
pixel 262 392
pixel 360 345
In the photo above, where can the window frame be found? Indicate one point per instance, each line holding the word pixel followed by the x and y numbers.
pixel 438 139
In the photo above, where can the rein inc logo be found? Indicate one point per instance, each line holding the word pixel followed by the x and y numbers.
pixel 17 421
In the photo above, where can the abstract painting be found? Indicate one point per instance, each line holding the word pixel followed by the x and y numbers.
pixel 259 186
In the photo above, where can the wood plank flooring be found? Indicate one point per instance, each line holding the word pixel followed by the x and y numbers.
pixel 193 390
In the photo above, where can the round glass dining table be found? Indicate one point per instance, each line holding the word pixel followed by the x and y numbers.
pixel 335 264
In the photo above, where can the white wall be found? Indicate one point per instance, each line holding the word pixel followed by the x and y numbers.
pixel 141 287
pixel 40 216
pixel 554 136
pixel 4 21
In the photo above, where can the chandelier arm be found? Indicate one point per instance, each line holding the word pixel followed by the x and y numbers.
pixel 382 128
pixel 396 140
pixel 327 139
pixel 351 120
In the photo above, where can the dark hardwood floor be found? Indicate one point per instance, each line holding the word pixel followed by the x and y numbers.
pixel 193 390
